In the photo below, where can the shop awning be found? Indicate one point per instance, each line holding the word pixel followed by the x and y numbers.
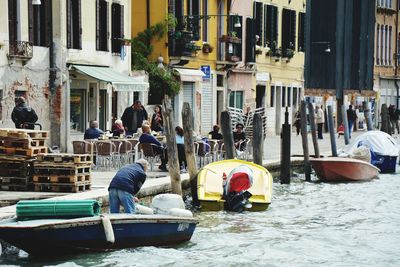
pixel 190 75
pixel 121 82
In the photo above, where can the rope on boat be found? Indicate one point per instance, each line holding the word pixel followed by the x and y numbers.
pixel 108 230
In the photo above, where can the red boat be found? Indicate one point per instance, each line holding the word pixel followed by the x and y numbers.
pixel 335 169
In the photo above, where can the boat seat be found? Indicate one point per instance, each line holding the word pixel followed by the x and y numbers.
pixel 213 184
pixel 258 187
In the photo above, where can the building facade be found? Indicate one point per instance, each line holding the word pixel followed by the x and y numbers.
pixel 280 46
pixel 208 47
pixel 386 82
pixel 69 59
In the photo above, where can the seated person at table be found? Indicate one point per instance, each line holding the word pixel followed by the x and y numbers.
pixel 93 132
pixel 118 129
pixel 215 134
pixel 125 185
pixel 239 136
pixel 180 143
pixel 159 149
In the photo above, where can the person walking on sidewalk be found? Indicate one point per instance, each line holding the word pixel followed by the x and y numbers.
pixel 351 117
pixel 320 120
pixel 125 185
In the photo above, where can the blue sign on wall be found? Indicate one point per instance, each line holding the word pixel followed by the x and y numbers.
pixel 206 69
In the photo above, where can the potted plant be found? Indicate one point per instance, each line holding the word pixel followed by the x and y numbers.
pixel 207 48
pixel 258 50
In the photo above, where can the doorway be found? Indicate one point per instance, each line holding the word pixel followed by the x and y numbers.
pixel 260 96
pixel 93 109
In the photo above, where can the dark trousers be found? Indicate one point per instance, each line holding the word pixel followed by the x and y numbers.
pixel 181 155
pixel 163 155
pixel 319 125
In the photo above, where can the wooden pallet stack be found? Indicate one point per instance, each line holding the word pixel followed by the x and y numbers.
pixel 62 173
pixel 18 150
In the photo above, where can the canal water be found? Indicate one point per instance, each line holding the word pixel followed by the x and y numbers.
pixel 307 224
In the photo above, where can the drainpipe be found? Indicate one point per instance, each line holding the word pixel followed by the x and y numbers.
pixel 396 64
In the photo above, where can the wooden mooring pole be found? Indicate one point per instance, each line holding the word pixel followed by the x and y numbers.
pixel 285 150
pixel 346 126
pixel 227 135
pixel 367 115
pixel 173 161
pixel 187 121
pixel 258 139
pixel 311 113
pixel 307 166
pixel 332 131
pixel 385 127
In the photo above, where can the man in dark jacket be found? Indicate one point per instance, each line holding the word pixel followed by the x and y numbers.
pixel 125 185
pixel 22 114
pixel 133 117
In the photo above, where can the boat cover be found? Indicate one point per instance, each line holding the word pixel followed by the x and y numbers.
pixel 239 179
pixel 379 142
pixel 39 209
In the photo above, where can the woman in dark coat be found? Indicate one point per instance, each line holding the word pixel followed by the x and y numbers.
pixel 157 123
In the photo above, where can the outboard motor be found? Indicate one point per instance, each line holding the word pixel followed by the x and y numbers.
pixel 236 196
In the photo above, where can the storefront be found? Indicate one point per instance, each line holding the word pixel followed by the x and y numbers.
pixel 102 94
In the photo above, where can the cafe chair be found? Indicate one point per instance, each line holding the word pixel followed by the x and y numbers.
pixel 106 154
pixel 126 153
pixel 148 152
pixel 202 152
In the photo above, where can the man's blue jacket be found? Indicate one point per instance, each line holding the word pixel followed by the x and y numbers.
pixel 129 178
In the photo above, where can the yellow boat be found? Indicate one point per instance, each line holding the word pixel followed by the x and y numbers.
pixel 210 189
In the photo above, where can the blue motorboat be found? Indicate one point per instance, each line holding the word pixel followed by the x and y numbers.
pixel 51 237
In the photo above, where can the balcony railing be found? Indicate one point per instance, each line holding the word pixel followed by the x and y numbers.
pixel 231 46
pixel 182 44
pixel 21 49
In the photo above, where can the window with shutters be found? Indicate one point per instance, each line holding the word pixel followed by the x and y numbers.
pixel 205 21
pixel 236 99
pixel 102 32
pixel 301 37
pixel 378 44
pixel 288 30
pixel 258 16
pixel 272 25
pixel 39 18
pixel 193 22
pixel 74 24
pixel 250 40
pixel 390 46
pixel 12 22
pixel 117 27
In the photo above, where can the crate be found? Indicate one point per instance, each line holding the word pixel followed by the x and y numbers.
pixel 29 152
pixel 23 133
pixel 15 180
pixel 70 188
pixel 22 143
pixel 61 169
pixel 60 178
pixel 28 187
pixel 65 158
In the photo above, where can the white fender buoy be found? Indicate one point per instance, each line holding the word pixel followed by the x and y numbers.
pixel 180 212
pixel 108 230
pixel 140 209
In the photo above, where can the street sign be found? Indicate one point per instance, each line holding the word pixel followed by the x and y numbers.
pixel 206 69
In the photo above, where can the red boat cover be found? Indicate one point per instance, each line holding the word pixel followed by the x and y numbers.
pixel 239 181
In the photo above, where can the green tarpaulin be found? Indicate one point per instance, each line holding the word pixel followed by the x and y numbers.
pixel 40 209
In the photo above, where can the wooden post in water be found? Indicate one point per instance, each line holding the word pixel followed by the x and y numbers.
pixel 332 131
pixel 367 115
pixel 307 166
pixel 227 135
pixel 258 139
pixel 385 127
pixel 187 121
pixel 173 162
pixel 311 113
pixel 346 126
pixel 285 150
